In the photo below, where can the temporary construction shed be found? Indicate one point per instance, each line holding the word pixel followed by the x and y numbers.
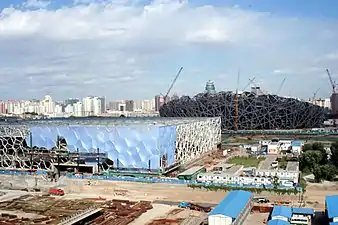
pixel 232 209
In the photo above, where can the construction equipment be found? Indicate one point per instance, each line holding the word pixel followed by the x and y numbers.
pixel 248 84
pixel 333 83
pixel 56 191
pixel 333 99
pixel 314 95
pixel 280 86
pixel 257 87
pixel 172 84
pixel 192 206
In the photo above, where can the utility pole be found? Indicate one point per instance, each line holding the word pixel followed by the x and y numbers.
pixel 98 160
pixel 78 160
pixel 58 159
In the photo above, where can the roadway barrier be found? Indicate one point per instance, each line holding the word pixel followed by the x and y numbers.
pixel 276 132
pixel 18 172
pixel 149 180
pixel 172 181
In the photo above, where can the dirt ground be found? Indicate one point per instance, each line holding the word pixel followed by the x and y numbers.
pixel 256 219
pixel 140 191
pixel 314 196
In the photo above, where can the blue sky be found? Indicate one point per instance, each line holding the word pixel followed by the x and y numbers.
pixel 131 49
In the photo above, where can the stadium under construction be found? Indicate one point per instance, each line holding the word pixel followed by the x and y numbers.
pixel 142 144
pixel 248 111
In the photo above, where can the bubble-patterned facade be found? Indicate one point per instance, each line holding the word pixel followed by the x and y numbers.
pixel 155 143
pixel 254 111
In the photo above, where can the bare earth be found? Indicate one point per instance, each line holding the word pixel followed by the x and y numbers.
pixel 314 196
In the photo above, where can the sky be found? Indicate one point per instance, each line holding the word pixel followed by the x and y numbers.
pixel 132 49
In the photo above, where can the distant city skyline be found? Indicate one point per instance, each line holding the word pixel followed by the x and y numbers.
pixel 133 49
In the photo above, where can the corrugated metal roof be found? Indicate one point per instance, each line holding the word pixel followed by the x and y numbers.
pixel 334 223
pixel 282 211
pixel 303 211
pixel 296 143
pixel 278 222
pixel 233 204
pixel 191 171
pixel 332 206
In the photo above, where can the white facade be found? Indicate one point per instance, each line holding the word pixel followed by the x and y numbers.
pixel 325 103
pixel 234 179
pixel 280 218
pixel 296 149
pixel 219 220
pixel 281 174
pixel 273 148
pixel 284 145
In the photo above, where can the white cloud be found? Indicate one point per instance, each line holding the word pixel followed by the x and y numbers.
pixel 123 49
pixel 36 4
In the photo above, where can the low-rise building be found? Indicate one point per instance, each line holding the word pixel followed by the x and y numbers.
pixel 296 147
pixel 272 149
pixel 281 213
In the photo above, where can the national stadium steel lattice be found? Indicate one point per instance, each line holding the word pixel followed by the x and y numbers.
pixel 254 111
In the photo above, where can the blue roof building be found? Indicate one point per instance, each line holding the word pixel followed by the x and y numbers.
pixel 230 208
pixel 296 143
pixel 303 211
pixel 331 206
pixel 278 222
pixel 283 212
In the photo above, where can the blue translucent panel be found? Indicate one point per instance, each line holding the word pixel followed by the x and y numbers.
pixel 132 147
pixel 167 139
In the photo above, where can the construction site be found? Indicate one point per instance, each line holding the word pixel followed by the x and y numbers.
pixel 31 199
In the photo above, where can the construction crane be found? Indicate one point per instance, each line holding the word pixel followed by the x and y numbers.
pixel 314 95
pixel 280 86
pixel 253 83
pixel 248 84
pixel 236 103
pixel 172 84
pixel 333 84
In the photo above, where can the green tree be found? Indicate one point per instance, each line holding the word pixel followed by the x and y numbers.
pixel 334 153
pixel 317 172
pixel 275 181
pixel 328 172
pixel 309 159
pixel 307 147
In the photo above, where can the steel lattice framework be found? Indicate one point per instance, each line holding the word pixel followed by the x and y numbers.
pixel 198 137
pixel 15 153
pixel 254 111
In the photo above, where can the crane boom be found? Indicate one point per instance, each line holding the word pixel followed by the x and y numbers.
pixel 172 84
pixel 331 81
pixel 314 95
pixel 253 83
pixel 248 84
pixel 280 86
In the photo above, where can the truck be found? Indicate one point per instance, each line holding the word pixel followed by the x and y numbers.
pixel 56 191
pixel 192 206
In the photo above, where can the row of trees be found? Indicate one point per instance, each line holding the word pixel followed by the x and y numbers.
pixel 321 163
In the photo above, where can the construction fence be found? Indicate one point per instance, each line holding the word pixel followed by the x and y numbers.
pixel 147 180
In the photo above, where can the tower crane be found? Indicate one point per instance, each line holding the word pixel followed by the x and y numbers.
pixel 314 95
pixel 172 84
pixel 333 84
pixel 253 83
pixel 333 99
pixel 280 86
pixel 248 84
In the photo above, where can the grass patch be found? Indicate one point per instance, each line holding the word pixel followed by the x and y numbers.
pixel 246 161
